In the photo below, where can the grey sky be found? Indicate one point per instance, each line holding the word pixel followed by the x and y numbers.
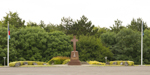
pixel 101 12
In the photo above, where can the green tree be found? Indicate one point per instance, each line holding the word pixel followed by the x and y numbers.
pixel 66 24
pixel 128 46
pixel 51 27
pixel 109 39
pixel 32 24
pixel 0 24
pixel 100 31
pixel 34 43
pixel 42 24
pixel 146 47
pixel 79 27
pixel 91 48
pixel 136 25
pixel 117 27
pixel 14 20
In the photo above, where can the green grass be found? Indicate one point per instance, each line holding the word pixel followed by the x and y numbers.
pixel 35 65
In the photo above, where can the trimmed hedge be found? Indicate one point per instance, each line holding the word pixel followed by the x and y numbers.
pixel 131 63
pixel 57 60
pixel 66 61
pixel 95 63
pixel 12 64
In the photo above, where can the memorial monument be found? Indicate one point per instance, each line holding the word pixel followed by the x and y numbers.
pixel 74 54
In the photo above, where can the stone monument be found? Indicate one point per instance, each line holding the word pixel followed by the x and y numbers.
pixel 74 54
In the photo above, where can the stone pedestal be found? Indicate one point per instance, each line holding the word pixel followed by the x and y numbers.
pixel 74 58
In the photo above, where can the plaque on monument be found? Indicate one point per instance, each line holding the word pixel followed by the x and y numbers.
pixel 74 54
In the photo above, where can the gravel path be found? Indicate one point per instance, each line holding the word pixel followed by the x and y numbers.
pixel 77 70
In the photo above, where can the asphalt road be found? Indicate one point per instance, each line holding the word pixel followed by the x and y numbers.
pixel 77 70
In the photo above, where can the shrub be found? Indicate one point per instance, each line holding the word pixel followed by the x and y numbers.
pixel 131 63
pixel 12 64
pixel 66 61
pixel 57 60
pixel 95 63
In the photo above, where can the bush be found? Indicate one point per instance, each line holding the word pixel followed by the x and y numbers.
pixel 12 64
pixel 131 63
pixel 95 63
pixel 57 60
pixel 66 61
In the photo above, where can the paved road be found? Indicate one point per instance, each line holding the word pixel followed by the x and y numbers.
pixel 77 70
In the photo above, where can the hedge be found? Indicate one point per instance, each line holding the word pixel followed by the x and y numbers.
pixel 95 63
pixel 66 61
pixel 57 60
pixel 12 64
pixel 131 63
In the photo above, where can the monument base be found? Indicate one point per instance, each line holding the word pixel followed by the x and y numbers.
pixel 74 58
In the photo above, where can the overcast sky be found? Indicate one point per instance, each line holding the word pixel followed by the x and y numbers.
pixel 101 12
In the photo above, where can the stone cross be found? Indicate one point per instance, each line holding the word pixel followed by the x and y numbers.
pixel 74 40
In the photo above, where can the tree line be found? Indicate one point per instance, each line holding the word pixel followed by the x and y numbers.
pixel 41 42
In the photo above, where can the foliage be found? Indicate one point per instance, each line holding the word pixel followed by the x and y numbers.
pixel 34 43
pixel 136 25
pixel 146 47
pixel 125 45
pixel 91 48
pixel 131 63
pixel 66 61
pixel 41 42
pixel 100 31
pixel 51 27
pixel 109 39
pixel 12 64
pixel 95 63
pixel 14 20
pixel 128 46
pixel 57 60
pixel 32 24
pixel 79 27
pixel 117 27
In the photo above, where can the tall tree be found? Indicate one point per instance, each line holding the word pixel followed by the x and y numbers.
pixel 82 27
pixel 91 48
pixel 117 27
pixel 42 24
pixel 100 31
pixel 136 24
pixel 51 27
pixel 66 24
pixel 32 24
pixel 0 23
pixel 14 20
